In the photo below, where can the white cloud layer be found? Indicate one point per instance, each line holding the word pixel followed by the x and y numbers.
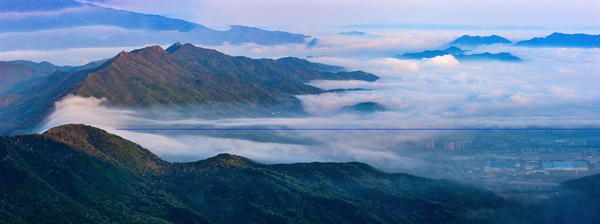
pixel 551 88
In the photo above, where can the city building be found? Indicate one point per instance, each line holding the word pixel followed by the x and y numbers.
pixel 454 144
pixel 495 166
pixel 565 166
pixel 429 144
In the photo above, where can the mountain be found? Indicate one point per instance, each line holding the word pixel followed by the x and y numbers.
pixel 431 53
pixel 467 40
pixel 68 14
pixel 20 75
pixel 577 201
pixel 67 24
pixel 454 50
pixel 563 40
pixel 77 173
pixel 12 74
pixel 364 107
pixel 183 77
pixel 37 5
pixel 460 55
pixel 487 56
pixel 352 33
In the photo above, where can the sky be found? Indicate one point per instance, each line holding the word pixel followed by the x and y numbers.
pixel 398 24
pixel 295 14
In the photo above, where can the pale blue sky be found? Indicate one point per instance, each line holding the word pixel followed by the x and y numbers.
pixel 310 13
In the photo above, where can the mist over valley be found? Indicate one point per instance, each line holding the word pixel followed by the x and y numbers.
pixel 132 113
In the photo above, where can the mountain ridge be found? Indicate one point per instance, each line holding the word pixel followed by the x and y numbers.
pixel 563 40
pixel 182 77
pixel 118 28
pixel 226 188
pixel 460 55
pixel 467 40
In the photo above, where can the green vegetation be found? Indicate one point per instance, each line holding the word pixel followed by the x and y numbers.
pixel 578 201
pixel 181 77
pixel 78 174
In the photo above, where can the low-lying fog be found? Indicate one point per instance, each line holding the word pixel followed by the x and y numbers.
pixel 552 87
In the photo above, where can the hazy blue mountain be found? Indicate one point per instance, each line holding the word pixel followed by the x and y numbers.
pixel 20 75
pixel 460 55
pixel 467 40
pixel 244 34
pixel 487 56
pixel 16 76
pixel 352 33
pixel 563 40
pixel 454 50
pixel 364 107
pixel 431 53
pixel 312 43
pixel 138 29
pixel 12 74
pixel 68 15
pixel 42 67
pixel 421 55
pixel 182 77
pixel 80 174
pixel 37 5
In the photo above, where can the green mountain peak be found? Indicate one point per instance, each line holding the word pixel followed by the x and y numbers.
pixel 106 146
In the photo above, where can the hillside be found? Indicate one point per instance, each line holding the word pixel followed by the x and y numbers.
pixel 577 201
pixel 76 173
pixel 183 77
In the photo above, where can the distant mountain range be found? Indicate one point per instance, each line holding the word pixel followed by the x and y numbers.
pixel 68 14
pixel 183 77
pixel 80 174
pixel 460 55
pixel 23 20
pixel 18 76
pixel 467 40
pixel 352 33
pixel 563 40
pixel 552 40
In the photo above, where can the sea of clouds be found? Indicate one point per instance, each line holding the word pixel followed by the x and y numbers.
pixel 552 87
